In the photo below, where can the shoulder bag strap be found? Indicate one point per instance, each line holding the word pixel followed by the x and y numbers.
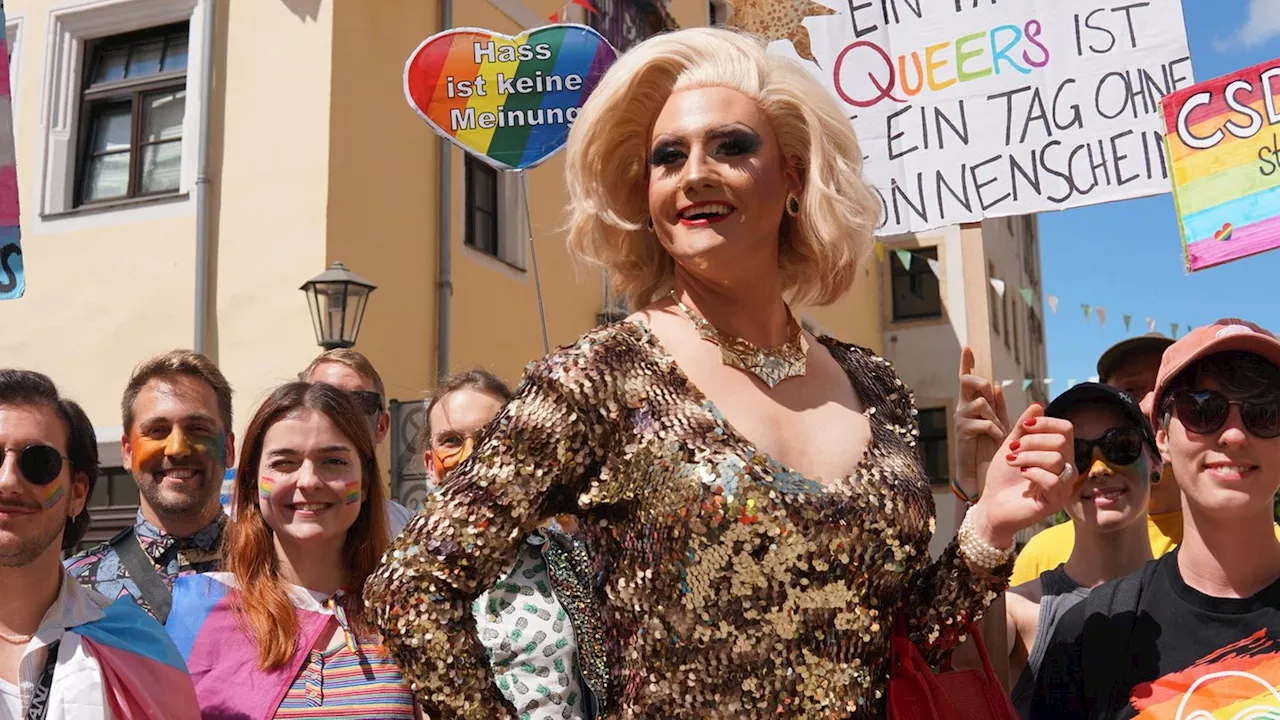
pixel 39 706
pixel 143 571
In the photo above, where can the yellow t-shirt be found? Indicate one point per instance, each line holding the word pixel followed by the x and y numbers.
pixel 1051 547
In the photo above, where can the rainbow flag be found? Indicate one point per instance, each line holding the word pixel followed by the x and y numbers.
pixel 507 100
pixel 1237 681
pixel 1222 142
pixel 13 282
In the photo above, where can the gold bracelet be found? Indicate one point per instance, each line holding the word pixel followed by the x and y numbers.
pixel 979 552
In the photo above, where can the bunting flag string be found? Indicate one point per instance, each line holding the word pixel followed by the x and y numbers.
pixel 904 257
pixel 1026 383
pixel 1030 295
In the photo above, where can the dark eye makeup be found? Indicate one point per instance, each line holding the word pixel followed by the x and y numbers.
pixel 731 142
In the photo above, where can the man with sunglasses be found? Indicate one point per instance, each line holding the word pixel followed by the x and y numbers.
pixel 177 444
pixel 66 651
pixel 351 371
pixel 1197 632
pixel 1116 453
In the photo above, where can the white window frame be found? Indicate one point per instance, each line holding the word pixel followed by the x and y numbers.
pixel 70 30
pixel 13 35
pixel 513 224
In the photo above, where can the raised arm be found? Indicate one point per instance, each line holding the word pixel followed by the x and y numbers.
pixel 546 438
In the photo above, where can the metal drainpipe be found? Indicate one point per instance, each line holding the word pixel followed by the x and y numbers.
pixel 444 283
pixel 202 177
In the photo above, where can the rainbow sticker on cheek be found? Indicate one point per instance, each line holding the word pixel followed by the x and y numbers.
pixel 266 486
pixel 55 494
pixel 353 493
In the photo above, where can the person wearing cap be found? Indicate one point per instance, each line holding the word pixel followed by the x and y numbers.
pixel 1129 366
pixel 1195 633
pixel 1116 453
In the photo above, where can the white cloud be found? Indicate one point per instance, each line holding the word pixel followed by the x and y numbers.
pixel 1262 23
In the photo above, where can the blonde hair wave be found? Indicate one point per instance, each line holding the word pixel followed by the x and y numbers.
pixel 607 170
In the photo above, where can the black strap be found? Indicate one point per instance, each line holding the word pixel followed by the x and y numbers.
pixel 154 592
pixel 39 706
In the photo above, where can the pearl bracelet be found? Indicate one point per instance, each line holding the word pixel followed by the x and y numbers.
pixel 977 551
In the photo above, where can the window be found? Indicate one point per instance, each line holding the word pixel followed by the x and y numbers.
pixel 482 207
pixel 113 505
pixel 993 299
pixel 916 293
pixel 933 445
pixel 496 222
pixel 134 104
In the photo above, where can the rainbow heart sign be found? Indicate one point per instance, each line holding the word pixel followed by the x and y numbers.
pixel 509 101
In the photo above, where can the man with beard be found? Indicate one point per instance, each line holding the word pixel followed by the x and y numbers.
pixel 67 652
pixel 177 444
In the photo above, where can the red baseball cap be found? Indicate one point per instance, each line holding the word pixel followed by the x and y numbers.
pixel 1222 336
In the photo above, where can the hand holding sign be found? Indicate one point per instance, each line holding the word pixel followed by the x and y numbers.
pixel 509 101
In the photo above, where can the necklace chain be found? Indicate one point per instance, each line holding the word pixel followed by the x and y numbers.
pixel 771 365
pixel 15 639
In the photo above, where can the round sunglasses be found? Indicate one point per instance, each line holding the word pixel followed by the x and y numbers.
pixel 40 464
pixel 1205 411
pixel 1121 446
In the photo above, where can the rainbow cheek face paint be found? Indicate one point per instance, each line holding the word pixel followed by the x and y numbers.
pixel 266 486
pixel 53 494
pixel 353 492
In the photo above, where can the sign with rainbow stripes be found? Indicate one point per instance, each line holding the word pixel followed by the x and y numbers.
pixel 13 280
pixel 509 101
pixel 1222 138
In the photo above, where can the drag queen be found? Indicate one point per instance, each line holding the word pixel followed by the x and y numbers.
pixel 752 495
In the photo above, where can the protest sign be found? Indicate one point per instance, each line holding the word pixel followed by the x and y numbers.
pixel 509 101
pixel 983 108
pixel 13 280
pixel 1223 139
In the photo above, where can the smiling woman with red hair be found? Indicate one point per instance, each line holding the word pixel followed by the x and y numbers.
pixel 283 632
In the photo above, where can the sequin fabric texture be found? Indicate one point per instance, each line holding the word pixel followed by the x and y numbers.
pixel 729 586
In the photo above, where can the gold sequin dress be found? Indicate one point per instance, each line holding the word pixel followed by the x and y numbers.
pixel 728 585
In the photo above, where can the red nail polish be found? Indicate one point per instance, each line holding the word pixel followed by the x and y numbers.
pixel 1010 457
pixel 1015 445
pixel 1029 422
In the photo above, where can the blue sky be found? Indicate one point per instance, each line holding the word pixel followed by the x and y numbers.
pixel 1127 257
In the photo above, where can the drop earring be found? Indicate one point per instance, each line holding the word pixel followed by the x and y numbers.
pixel 649 222
pixel 793 205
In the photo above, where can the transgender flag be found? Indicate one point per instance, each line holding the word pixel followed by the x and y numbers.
pixel 12 280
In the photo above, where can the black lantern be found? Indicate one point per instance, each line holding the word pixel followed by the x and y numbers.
pixel 337 298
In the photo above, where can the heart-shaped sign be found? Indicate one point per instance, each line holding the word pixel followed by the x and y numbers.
pixel 1224 234
pixel 509 101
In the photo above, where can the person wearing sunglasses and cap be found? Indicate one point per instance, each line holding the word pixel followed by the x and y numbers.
pixel 352 371
pixel 67 652
pixel 1117 456
pixel 1197 632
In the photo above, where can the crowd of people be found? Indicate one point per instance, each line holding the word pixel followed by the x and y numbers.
pixel 700 511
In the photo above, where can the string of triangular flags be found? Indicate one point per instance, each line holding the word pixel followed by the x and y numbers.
pixel 562 14
pixel 1026 383
pixel 906 257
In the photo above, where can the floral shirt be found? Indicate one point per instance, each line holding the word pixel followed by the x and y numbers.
pixel 729 585
pixel 99 568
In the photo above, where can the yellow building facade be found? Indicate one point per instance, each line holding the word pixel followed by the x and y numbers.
pixel 185 165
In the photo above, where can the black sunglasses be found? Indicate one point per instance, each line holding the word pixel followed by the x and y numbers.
pixel 370 402
pixel 1121 446
pixel 40 464
pixel 1205 411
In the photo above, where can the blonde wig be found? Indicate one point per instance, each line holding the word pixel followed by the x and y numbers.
pixel 607 169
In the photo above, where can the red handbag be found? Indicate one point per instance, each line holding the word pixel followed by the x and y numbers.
pixel 917 693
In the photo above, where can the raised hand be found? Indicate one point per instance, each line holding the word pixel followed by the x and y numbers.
pixel 1030 477
pixel 980 413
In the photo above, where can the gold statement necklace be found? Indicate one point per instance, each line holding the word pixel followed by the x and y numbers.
pixel 771 365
